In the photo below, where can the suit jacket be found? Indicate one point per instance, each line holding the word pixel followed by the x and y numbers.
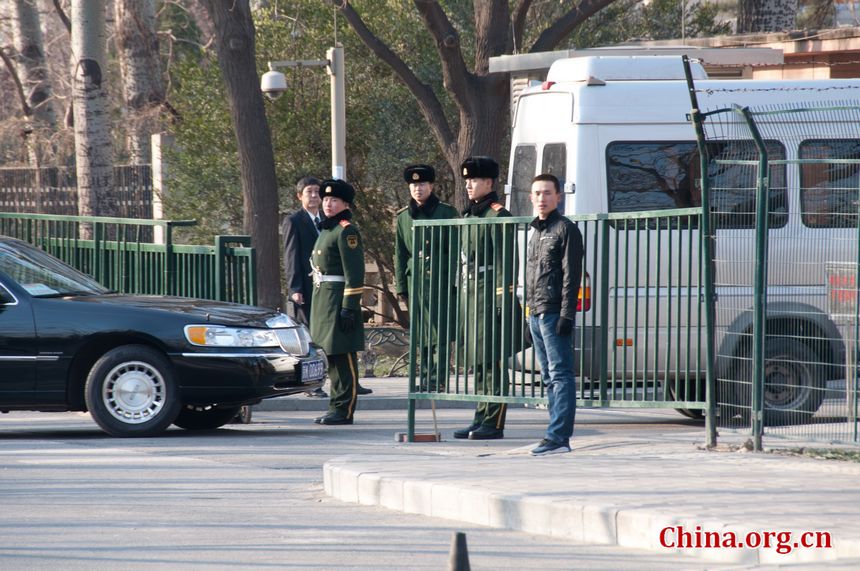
pixel 299 237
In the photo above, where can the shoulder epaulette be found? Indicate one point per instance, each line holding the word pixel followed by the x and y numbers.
pixel 405 208
pixel 496 206
pixel 344 223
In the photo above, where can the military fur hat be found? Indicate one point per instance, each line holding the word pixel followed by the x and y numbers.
pixel 419 173
pixel 337 188
pixel 480 167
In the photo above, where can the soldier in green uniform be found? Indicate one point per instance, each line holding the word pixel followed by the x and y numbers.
pixel 431 300
pixel 488 311
pixel 337 262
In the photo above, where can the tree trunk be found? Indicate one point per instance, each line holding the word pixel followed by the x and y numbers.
pixel 483 127
pixel 766 15
pixel 93 153
pixel 142 84
pixel 30 55
pixel 234 40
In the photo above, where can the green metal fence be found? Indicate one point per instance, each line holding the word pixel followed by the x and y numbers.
pixel 640 339
pixel 120 253
pixel 784 186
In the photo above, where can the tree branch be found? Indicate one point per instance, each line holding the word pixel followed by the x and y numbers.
pixel 455 77
pixel 551 36
pixel 63 17
pixel 28 111
pixel 429 104
pixel 518 17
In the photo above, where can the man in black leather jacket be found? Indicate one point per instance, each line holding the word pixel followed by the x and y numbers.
pixel 553 275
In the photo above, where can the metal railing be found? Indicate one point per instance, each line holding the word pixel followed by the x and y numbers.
pixel 784 184
pixel 640 339
pixel 54 190
pixel 119 253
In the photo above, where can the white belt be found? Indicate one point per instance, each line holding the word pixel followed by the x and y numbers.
pixel 325 278
pixel 480 270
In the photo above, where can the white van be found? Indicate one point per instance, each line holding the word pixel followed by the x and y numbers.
pixel 616 132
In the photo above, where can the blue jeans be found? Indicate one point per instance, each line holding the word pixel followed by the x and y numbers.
pixel 555 355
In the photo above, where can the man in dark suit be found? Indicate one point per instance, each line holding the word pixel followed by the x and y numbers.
pixel 300 231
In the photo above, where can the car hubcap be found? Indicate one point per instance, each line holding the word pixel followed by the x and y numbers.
pixel 134 392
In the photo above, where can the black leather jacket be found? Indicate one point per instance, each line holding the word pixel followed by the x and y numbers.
pixel 554 268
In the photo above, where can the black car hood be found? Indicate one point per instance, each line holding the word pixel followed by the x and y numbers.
pixel 202 310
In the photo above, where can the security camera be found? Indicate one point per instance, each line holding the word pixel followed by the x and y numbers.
pixel 273 84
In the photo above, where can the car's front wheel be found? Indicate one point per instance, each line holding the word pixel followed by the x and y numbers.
pixel 205 417
pixel 131 391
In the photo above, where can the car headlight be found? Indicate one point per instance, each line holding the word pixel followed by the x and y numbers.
pixel 293 340
pixel 220 336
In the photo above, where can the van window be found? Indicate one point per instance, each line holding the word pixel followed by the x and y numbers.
pixel 555 162
pixel 828 192
pixel 662 175
pixel 522 173
pixel 733 186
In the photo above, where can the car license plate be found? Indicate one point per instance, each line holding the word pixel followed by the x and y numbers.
pixel 312 370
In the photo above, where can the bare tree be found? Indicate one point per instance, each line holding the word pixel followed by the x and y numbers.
pixel 766 15
pixel 32 73
pixel 481 99
pixel 234 41
pixel 142 82
pixel 93 153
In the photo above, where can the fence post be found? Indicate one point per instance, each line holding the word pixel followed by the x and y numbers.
pixel 603 349
pixel 169 276
pixel 760 284
pixel 161 143
pixel 415 316
pixel 706 267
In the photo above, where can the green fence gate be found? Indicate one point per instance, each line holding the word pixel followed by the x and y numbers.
pixel 640 339
pixel 130 255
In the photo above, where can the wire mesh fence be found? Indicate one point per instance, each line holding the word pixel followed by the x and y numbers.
pixel 783 188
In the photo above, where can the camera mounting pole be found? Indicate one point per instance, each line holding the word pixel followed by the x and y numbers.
pixel 274 84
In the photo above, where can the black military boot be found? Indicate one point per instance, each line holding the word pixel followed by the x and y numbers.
pixel 463 433
pixel 486 433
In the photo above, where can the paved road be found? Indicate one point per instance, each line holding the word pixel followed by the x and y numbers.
pixel 251 497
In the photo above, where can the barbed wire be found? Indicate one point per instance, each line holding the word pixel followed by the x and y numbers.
pixel 711 91
pixel 792 62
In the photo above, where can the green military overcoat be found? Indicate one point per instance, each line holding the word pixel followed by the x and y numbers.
pixel 434 258
pixel 338 251
pixel 490 316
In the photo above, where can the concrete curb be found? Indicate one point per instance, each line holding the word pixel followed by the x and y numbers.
pixel 637 526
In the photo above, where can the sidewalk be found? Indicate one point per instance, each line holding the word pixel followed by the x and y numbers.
pixel 617 489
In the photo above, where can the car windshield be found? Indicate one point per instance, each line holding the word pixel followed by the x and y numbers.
pixel 43 275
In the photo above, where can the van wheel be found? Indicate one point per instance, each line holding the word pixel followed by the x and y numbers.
pixel 205 417
pixel 687 388
pixel 794 383
pixel 131 391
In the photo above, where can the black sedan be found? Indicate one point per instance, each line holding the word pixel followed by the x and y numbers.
pixel 138 363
